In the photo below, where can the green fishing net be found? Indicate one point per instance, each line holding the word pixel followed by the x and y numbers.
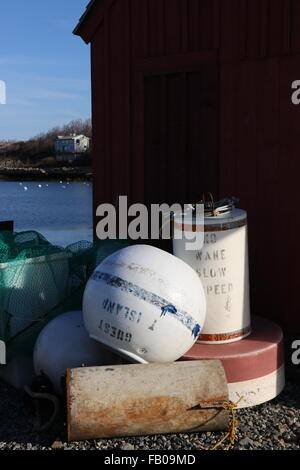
pixel 39 281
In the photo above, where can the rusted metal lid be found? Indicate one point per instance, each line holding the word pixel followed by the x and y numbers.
pixel 219 208
pixel 221 214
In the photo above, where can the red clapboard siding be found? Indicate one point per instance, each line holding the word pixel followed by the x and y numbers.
pixel 295 27
pixel 229 79
pixel 286 27
pixel 156 28
pixel 285 189
pixel 268 141
pixel 108 126
pixel 155 136
pixel 99 116
pixel 202 131
pixel 264 27
pixel 193 12
pixel 231 32
pixel 181 123
pixel 266 213
pixel 276 12
pixel 289 168
pixel 174 26
pixel 253 28
pixel 246 126
pixel 206 29
pixel 176 125
pixel 244 36
pixel 246 155
pixel 195 95
pixel 119 65
pixel 88 27
pixel 137 186
pixel 215 9
pixel 139 28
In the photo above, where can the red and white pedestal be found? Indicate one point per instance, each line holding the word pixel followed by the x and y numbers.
pixel 254 366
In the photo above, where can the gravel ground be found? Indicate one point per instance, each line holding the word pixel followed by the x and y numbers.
pixel 273 425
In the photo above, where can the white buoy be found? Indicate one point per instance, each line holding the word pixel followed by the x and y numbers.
pixel 144 303
pixel 64 343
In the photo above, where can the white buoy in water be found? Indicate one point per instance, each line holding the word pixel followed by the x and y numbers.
pixel 144 303
pixel 64 343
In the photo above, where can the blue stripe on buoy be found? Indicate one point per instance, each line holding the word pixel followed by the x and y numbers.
pixel 166 307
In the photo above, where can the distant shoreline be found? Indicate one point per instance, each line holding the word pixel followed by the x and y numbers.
pixel 43 174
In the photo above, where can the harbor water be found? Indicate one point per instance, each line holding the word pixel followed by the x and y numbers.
pixel 61 211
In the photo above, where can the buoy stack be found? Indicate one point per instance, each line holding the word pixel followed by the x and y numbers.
pixel 251 349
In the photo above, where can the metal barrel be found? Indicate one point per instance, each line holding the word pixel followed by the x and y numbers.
pixel 141 399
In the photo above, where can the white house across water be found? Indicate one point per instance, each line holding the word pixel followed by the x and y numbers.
pixel 68 148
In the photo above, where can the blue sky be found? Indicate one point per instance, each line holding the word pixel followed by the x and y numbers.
pixel 45 67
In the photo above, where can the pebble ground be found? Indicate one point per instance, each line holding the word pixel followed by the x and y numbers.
pixel 272 426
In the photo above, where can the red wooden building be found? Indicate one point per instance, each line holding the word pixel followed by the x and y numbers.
pixel 195 95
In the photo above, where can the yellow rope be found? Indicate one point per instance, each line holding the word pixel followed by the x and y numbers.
pixel 231 432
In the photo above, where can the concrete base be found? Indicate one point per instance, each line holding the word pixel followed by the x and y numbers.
pixel 254 366
pixel 257 391
pixel 18 372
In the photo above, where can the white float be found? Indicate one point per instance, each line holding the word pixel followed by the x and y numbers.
pixel 64 343
pixel 144 303
pixel 222 266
